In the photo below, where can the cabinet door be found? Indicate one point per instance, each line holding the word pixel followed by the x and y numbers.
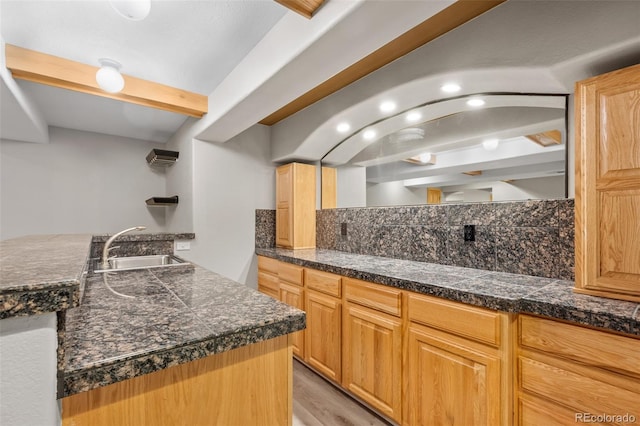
pixel 294 295
pixel 284 210
pixel 450 383
pixel 323 338
pixel 372 358
pixel 608 184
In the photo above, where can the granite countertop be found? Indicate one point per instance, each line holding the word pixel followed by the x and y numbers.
pixel 495 290
pixel 135 322
pixel 41 273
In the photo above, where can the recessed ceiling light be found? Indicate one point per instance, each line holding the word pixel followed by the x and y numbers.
pixel 450 88
pixel 135 10
pixel 475 102
pixel 343 127
pixel 387 106
pixel 369 134
pixel 413 116
pixel 490 144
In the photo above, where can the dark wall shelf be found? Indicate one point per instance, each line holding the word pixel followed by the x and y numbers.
pixel 162 201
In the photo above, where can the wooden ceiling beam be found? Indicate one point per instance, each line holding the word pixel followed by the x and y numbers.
pixel 446 20
pixel 305 8
pixel 30 65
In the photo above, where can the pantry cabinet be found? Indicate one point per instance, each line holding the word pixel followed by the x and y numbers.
pixel 608 185
pixel 296 206
pixel 566 372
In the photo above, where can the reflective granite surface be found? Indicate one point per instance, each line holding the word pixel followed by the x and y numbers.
pixel 41 273
pixel 495 290
pixel 135 322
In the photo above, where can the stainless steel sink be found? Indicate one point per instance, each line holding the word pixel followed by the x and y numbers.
pixel 140 262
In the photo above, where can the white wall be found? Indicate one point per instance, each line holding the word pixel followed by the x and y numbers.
pixel 231 181
pixel 525 189
pixel 394 194
pixel 28 371
pixel 80 182
pixel 351 186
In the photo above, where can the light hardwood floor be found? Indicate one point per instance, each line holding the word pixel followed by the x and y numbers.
pixel 317 403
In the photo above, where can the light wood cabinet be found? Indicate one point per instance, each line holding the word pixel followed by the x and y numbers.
pixel 268 282
pixel 455 376
pixel 296 206
pixel 294 295
pixel 323 338
pixel 372 358
pixel 566 372
pixel 608 185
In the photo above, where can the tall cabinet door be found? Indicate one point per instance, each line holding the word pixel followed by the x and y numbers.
pixel 372 358
pixel 294 295
pixel 284 209
pixel 608 184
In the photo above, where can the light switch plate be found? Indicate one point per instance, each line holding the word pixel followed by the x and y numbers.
pixel 183 245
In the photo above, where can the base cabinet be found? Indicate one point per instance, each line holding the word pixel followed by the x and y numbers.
pixel 324 335
pixel 452 381
pixel 372 358
pixel 294 295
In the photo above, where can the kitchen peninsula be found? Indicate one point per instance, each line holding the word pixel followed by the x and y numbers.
pixel 137 340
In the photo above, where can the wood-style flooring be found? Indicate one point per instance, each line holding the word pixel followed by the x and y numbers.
pixel 317 403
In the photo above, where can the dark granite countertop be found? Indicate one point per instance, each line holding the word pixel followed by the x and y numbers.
pixel 41 273
pixel 135 322
pixel 495 290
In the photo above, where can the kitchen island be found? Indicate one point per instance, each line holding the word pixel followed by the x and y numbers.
pixel 179 345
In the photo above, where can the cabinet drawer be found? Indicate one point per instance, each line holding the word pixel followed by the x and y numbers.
pixel 479 324
pixel 268 264
pixel 290 273
pixel 578 388
pixel 612 352
pixel 375 296
pixel 268 281
pixel 536 411
pixel 323 282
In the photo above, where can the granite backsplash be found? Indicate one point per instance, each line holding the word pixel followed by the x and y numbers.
pixel 534 237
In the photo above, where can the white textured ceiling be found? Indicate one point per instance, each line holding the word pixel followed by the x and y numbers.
pixel 192 45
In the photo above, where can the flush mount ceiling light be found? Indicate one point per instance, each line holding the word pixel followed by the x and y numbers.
pixel 475 102
pixel 369 134
pixel 343 127
pixel 108 76
pixel 408 134
pixel 135 10
pixel 425 157
pixel 387 106
pixel 413 116
pixel 450 88
pixel 490 144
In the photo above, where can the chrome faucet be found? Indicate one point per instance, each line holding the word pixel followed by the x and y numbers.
pixel 105 251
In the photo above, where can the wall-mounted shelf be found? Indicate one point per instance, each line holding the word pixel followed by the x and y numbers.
pixel 162 157
pixel 162 201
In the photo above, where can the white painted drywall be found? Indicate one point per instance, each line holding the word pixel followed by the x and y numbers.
pixel 230 181
pixel 28 371
pixel 525 189
pixel 351 186
pixel 80 182
pixel 394 194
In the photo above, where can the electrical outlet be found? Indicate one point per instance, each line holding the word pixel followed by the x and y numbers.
pixel 183 245
pixel 469 232
pixel 343 229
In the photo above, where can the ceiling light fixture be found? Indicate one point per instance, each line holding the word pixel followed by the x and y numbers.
pixel 369 134
pixel 343 127
pixel 413 116
pixel 450 88
pixel 425 157
pixel 135 10
pixel 406 135
pixel 490 144
pixel 387 106
pixel 475 102
pixel 108 76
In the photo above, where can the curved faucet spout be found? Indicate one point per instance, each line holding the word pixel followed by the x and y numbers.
pixel 105 251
